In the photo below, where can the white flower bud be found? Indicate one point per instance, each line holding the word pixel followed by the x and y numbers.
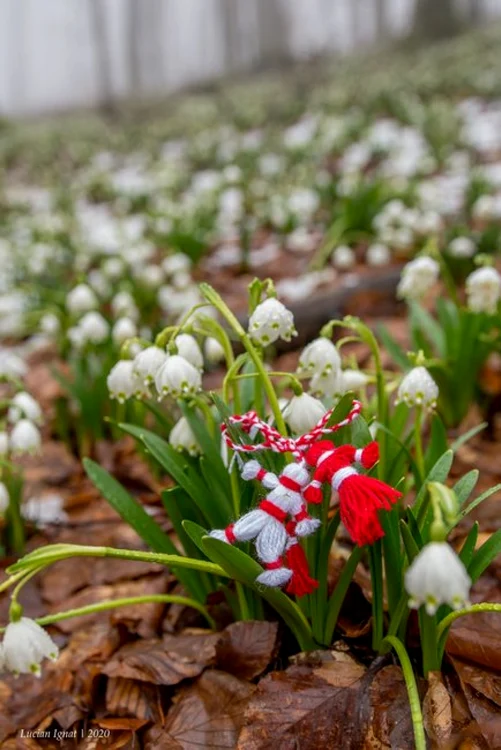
pixel 4 499
pixel 188 348
pixel 94 328
pixel 148 362
pixel 4 443
pixel 24 405
pixel 49 324
pixel 122 381
pixel 303 412
pixel 437 576
pixel 123 329
pixel 418 277
pixel 353 380
pixel 462 247
pixel 418 389
pixel 327 384
pixel 182 438
pixel 213 350
pixel 25 438
pixel 319 357
pixel 177 377
pixel 25 645
pixel 343 257
pixel 81 299
pixel 378 255
pixel 483 290
pixel 271 321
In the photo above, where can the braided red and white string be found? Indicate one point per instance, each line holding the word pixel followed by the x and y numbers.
pixel 253 425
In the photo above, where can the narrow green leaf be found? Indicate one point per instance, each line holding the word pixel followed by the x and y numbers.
pixel 465 486
pixel 411 548
pixel 477 501
pixel 438 473
pixel 468 547
pixel 485 555
pixel 462 439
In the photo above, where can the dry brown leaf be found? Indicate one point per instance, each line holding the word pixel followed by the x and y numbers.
pixel 482 690
pixel 246 648
pixel 437 709
pixel 476 638
pixel 390 721
pixel 133 699
pixel 164 662
pixel 207 715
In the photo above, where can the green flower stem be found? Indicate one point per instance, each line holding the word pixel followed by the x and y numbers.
pixel 90 609
pixel 170 332
pixel 429 642
pixel 336 601
pixel 418 442
pixel 205 409
pixel 376 570
pixel 11 580
pixel 214 298
pixel 412 691
pixel 444 625
pixel 54 553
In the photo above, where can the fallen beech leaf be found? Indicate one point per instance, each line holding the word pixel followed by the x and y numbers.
pixel 164 662
pixel 391 722
pixel 246 648
pixel 208 715
pixel 437 709
pixel 476 638
pixel 482 690
pixel 121 723
pixel 306 707
pixel 134 699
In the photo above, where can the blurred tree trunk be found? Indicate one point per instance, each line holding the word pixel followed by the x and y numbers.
pixel 273 32
pixel 435 19
pixel 132 22
pixel 102 55
pixel 475 12
pixel 229 10
pixel 381 26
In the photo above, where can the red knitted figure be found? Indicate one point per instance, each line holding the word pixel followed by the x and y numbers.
pixel 360 496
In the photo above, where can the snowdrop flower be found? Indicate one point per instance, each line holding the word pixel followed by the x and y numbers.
pixel 353 380
pixel 484 207
pixel 271 321
pixel 176 263
pixel 113 268
pixel 4 499
pixel 123 329
pixel 182 438
pixel 123 305
pixel 24 405
pixel 177 377
pixel 418 389
pixel 303 412
pixel 213 350
pixel 99 282
pixel 483 290
pixel 462 247
pixel 25 645
pixel 11 365
pixel 417 278
pixel 122 381
pixel 81 299
pixel 437 576
pixel 25 438
pixel 319 357
pixel 188 348
pixel 49 324
pixel 150 276
pixel 94 328
pixel 378 255
pixel 148 362
pixel 44 510
pixel 327 384
pixel 4 443
pixel 343 257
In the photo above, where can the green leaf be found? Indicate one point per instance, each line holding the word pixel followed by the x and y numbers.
pixel 484 556
pixel 468 547
pixel 411 548
pixel 393 348
pixel 433 331
pixel 438 443
pixel 438 473
pixel 477 501
pixel 462 439
pixel 243 568
pixel 465 486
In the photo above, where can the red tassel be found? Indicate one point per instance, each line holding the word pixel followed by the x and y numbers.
pixel 360 499
pixel 301 582
pixel 313 494
pixel 370 455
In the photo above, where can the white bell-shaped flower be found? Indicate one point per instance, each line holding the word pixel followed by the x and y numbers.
pixel 25 438
pixel 418 389
pixel 24 405
pixel 94 328
pixel 327 384
pixel 483 290
pixel 148 362
pixel 4 499
pixel 437 576
pixel 177 377
pixel 343 258
pixel 188 348
pixel 417 278
pixel 124 329
pixel 50 324
pixel 353 380
pixel 213 350
pixel 25 646
pixel 271 321
pixel 81 299
pixel 319 357
pixel 122 381
pixel 303 412
pixel 462 247
pixel 182 438
pixel 123 305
